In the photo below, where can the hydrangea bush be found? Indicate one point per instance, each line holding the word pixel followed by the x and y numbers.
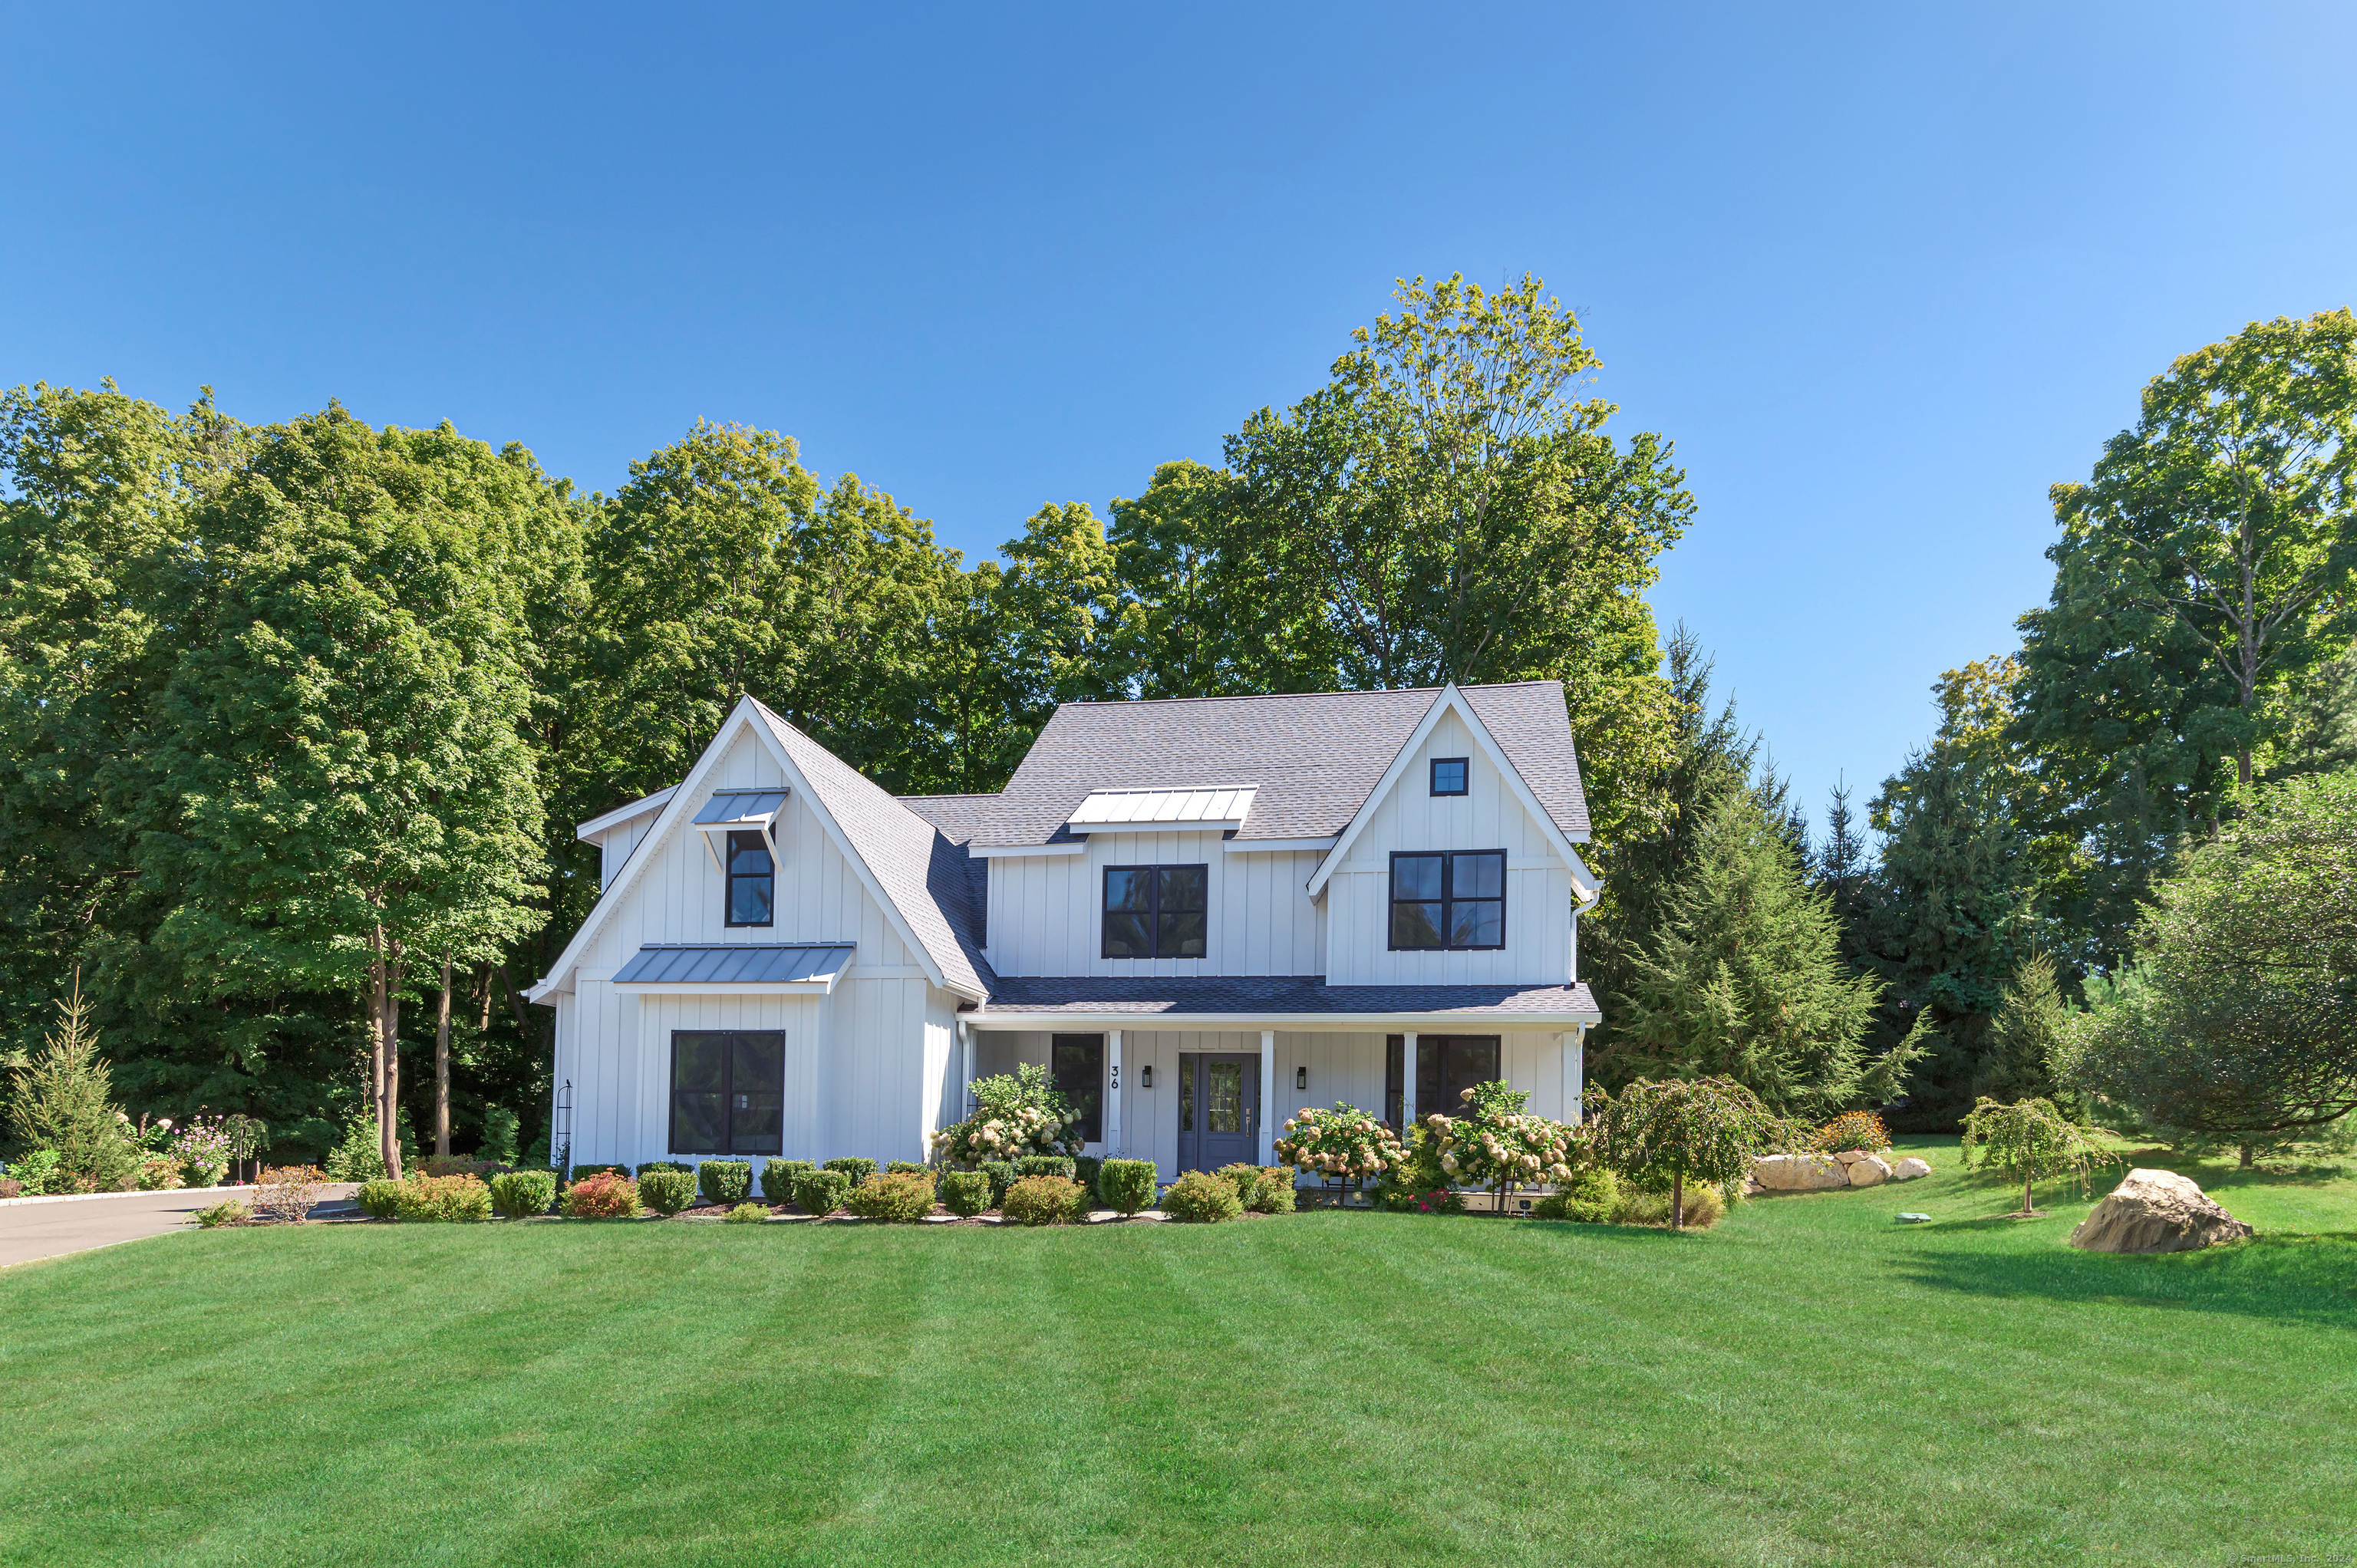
pixel 1019 1114
pixel 1346 1143
pixel 1492 1144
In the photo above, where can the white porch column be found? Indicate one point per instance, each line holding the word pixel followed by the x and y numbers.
pixel 1112 1144
pixel 1268 1096
pixel 965 1069
pixel 1574 1072
pixel 1407 1084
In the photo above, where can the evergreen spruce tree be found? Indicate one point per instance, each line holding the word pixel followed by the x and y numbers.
pixel 2029 1024
pixel 1745 982
pixel 63 1099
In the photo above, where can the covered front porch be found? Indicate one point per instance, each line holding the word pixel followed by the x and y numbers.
pixel 1190 1087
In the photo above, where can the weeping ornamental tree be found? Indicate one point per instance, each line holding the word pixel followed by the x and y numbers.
pixel 1705 1130
pixel 344 786
pixel 2238 1024
pixel 1744 981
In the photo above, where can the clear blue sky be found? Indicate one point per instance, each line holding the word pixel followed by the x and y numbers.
pixel 1882 273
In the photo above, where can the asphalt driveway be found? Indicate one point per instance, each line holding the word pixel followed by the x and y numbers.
pixel 31 1230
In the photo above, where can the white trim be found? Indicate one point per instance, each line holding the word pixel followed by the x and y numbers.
pixel 1008 851
pixel 1267 1097
pixel 1450 698
pixel 1316 1023
pixel 620 814
pixel 820 986
pixel 1279 846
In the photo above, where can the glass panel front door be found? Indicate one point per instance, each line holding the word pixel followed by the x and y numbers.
pixel 1219 1112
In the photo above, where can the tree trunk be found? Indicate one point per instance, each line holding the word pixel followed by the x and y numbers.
pixel 483 1024
pixel 442 1065
pixel 376 1036
pixel 2027 1207
pixel 2246 1156
pixel 387 996
pixel 1678 1201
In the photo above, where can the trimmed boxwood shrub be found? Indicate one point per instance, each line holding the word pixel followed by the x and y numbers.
pixel 1126 1185
pixel 522 1195
pixel 745 1214
pixel 1244 1178
pixel 1202 1199
pixel 1001 1177
pixel 1047 1164
pixel 666 1192
pixel 436 1198
pixel 377 1198
pixel 777 1178
pixel 1275 1193
pixel 1587 1198
pixel 859 1170
pixel 578 1172
pixel 821 1193
pixel 1086 1168
pixel 1043 1200
pixel 899 1198
pixel 727 1182
pixel 965 1193
pixel 680 1165
pixel 905 1167
pixel 602 1196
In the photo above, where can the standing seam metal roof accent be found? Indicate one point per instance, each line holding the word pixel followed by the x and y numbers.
pixel 740 963
pixel 740 805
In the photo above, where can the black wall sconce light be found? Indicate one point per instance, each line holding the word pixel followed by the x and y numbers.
pixel 1301 1078
pixel 1146 1075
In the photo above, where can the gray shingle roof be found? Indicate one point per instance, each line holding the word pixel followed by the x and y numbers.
pixel 921 872
pixel 1274 996
pixel 1316 757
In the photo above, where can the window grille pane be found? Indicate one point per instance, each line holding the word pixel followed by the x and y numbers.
pixel 1077 1064
pixel 699 1063
pixel 1416 876
pixel 1223 1099
pixel 698 1124
pixel 1415 926
pixel 749 900
pixel 1480 923
pixel 1179 936
pixel 1129 889
pixel 1448 776
pixel 1481 876
pixel 1127 935
pixel 1184 887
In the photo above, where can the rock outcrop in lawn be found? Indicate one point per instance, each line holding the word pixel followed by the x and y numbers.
pixel 2156 1211
pixel 1819 1173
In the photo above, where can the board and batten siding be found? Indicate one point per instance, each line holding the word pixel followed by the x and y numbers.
pixel 614 844
pixel 1047 912
pixel 870 1068
pixel 1344 1068
pixel 1488 816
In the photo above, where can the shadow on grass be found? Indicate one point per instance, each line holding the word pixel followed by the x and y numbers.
pixel 2310 1279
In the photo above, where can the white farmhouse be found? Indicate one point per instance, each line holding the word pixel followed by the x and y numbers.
pixel 1200 915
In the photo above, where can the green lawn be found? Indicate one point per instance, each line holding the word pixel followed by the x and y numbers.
pixel 1811 1383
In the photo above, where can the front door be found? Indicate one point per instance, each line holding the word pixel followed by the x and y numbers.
pixel 1219 1111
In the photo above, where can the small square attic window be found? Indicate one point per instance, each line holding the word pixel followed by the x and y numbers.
pixel 1448 775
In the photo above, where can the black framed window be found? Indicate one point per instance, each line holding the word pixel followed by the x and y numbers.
pixel 1156 911
pixel 727 1091
pixel 1077 1064
pixel 1455 898
pixel 1445 1067
pixel 752 881
pixel 1448 775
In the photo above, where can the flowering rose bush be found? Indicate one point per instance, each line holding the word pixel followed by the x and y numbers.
pixel 1344 1142
pixel 1021 1114
pixel 1493 1144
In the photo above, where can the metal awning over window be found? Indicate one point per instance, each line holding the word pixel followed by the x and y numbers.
pixel 738 810
pixel 736 966
pixel 1219 807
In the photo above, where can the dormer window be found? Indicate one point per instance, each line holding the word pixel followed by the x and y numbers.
pixel 1451 900
pixel 1448 775
pixel 752 881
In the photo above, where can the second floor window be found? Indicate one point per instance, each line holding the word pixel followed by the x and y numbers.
pixel 1156 911
pixel 1453 899
pixel 752 881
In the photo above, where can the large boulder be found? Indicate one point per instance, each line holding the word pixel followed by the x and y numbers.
pixel 1910 1168
pixel 1869 1170
pixel 2156 1211
pixel 1798 1173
